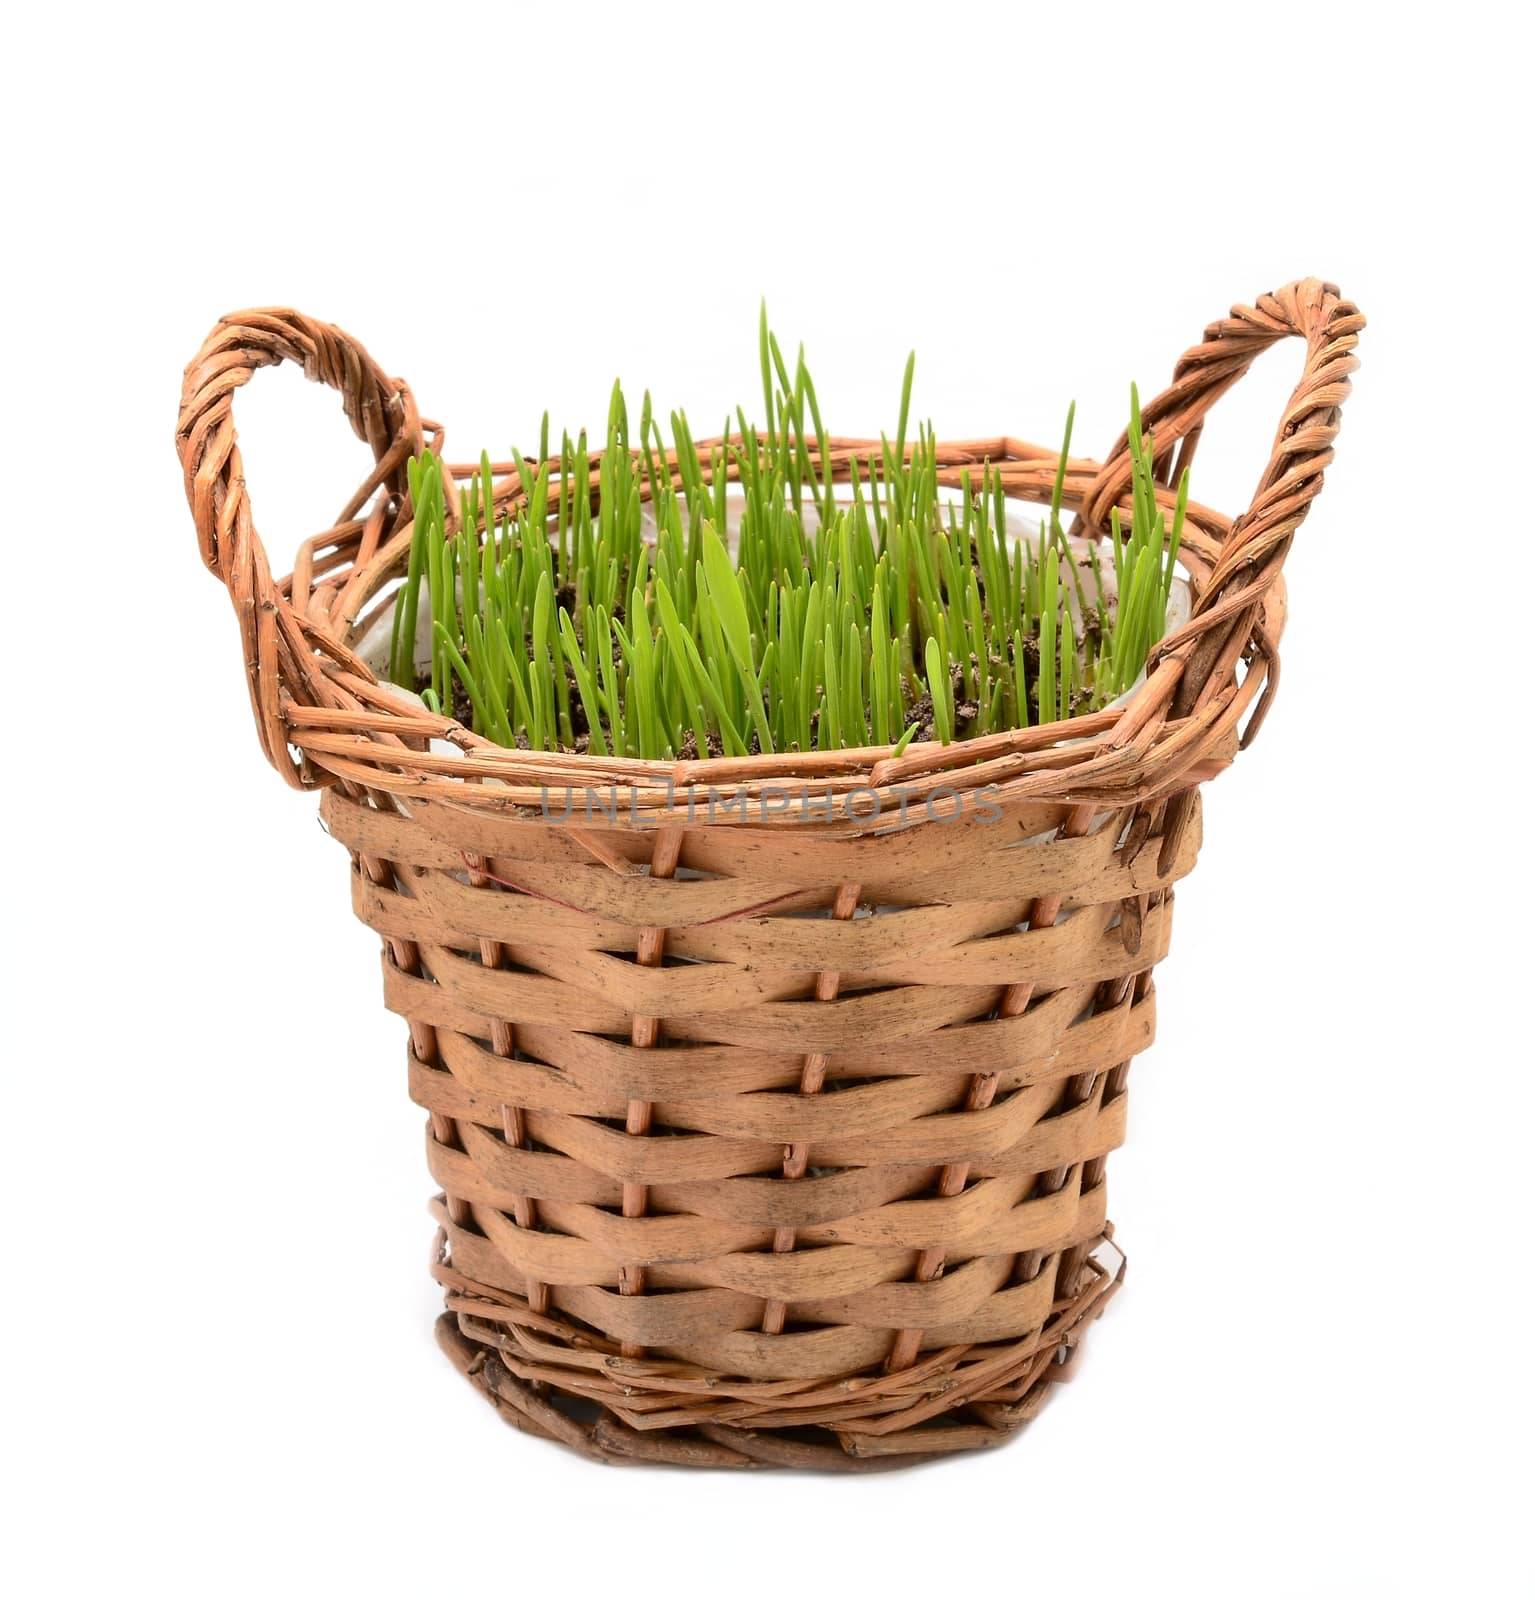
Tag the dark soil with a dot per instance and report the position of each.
(689, 750)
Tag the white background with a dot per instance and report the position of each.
(219, 1376)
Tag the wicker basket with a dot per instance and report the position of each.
(767, 1136)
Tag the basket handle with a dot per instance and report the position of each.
(1227, 612)
(277, 636)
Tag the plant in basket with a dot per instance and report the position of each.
(621, 623)
(771, 838)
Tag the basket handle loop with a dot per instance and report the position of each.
(279, 639)
(1253, 552)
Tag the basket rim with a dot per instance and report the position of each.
(520, 777)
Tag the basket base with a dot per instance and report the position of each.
(943, 1415)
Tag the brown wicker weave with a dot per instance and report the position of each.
(734, 1171)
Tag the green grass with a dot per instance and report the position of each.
(866, 617)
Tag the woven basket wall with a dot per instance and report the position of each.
(768, 1135)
